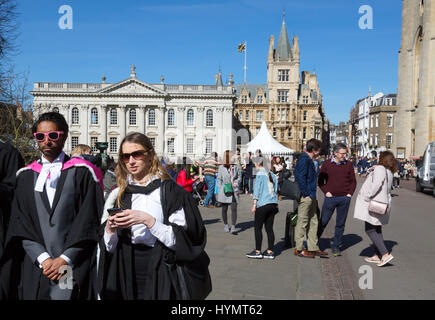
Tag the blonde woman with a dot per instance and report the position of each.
(81, 149)
(157, 226)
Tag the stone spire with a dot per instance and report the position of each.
(283, 48)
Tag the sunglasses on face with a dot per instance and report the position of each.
(137, 155)
(52, 135)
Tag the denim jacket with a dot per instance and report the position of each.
(264, 191)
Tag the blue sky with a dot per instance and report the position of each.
(187, 41)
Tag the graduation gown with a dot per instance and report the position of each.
(116, 270)
(10, 162)
(75, 215)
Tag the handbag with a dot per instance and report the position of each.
(378, 207)
(228, 189)
(290, 189)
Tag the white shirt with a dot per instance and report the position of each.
(140, 234)
(49, 177)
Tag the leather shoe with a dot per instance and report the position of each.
(304, 254)
(319, 253)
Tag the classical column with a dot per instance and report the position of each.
(104, 122)
(162, 126)
(122, 118)
(141, 118)
(219, 125)
(65, 109)
(199, 137)
(180, 129)
(84, 126)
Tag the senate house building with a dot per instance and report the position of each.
(181, 120)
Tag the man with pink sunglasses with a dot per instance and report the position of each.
(54, 224)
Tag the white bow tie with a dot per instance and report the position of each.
(52, 169)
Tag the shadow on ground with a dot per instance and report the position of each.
(211, 221)
(349, 240)
(244, 226)
(370, 251)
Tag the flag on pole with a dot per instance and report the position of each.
(242, 47)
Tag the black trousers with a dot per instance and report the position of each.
(142, 274)
(264, 215)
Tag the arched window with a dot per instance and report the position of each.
(190, 118)
(75, 116)
(132, 118)
(171, 117)
(94, 116)
(209, 118)
(56, 109)
(152, 117)
(113, 116)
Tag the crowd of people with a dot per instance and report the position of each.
(136, 233)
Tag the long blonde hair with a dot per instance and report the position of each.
(121, 170)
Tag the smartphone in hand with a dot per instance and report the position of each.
(113, 211)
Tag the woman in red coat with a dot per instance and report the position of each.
(183, 178)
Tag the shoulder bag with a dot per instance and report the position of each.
(379, 207)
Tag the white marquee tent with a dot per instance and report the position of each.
(267, 144)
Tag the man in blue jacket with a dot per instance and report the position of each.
(306, 177)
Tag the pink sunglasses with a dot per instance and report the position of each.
(52, 135)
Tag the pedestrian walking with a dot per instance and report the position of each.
(228, 180)
(54, 222)
(307, 224)
(155, 226)
(208, 173)
(265, 207)
(337, 181)
(377, 187)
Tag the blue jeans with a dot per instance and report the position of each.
(249, 184)
(210, 181)
(329, 205)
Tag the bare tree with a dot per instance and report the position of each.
(8, 34)
(16, 117)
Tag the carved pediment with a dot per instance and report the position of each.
(132, 86)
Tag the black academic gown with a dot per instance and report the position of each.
(22, 278)
(10, 162)
(116, 270)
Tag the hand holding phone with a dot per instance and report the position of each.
(113, 211)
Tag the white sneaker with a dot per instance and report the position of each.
(385, 260)
(233, 229)
(226, 229)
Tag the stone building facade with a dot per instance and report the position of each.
(381, 127)
(290, 103)
(181, 120)
(415, 121)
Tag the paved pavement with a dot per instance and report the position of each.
(409, 276)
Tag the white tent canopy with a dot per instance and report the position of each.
(267, 144)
